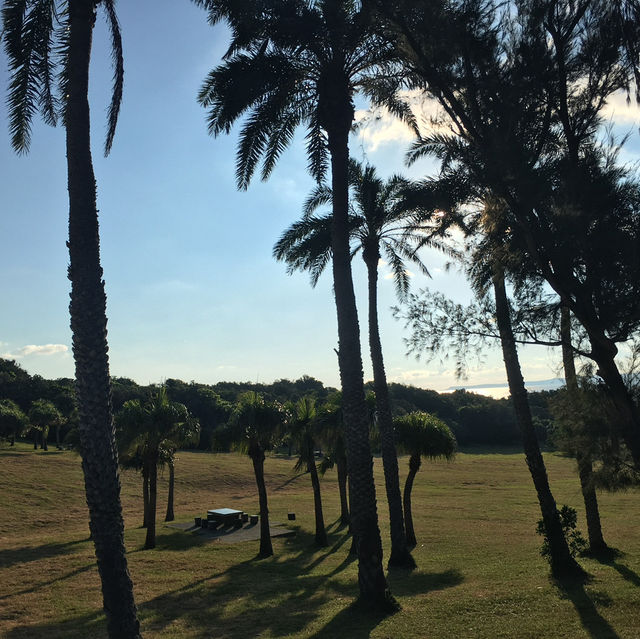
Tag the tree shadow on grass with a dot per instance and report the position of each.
(13, 556)
(624, 571)
(592, 621)
(92, 625)
(49, 582)
(179, 541)
(412, 582)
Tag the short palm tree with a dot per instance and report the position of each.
(300, 62)
(380, 225)
(49, 42)
(421, 435)
(43, 415)
(151, 432)
(303, 428)
(255, 427)
(330, 423)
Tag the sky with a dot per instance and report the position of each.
(193, 291)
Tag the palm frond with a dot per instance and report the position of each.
(28, 43)
(118, 73)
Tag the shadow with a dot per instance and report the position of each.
(178, 541)
(91, 625)
(354, 622)
(43, 584)
(592, 621)
(36, 553)
(410, 582)
(626, 573)
(289, 481)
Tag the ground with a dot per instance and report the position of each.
(479, 569)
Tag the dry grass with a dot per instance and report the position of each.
(479, 572)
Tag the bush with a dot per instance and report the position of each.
(568, 520)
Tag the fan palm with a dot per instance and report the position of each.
(303, 429)
(151, 432)
(300, 62)
(421, 435)
(254, 428)
(380, 225)
(48, 45)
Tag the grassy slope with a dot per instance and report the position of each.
(479, 573)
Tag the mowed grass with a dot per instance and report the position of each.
(479, 572)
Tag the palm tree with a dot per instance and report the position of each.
(152, 432)
(380, 226)
(421, 434)
(33, 30)
(331, 425)
(254, 428)
(303, 429)
(296, 62)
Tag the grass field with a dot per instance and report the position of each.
(479, 572)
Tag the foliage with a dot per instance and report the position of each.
(568, 520)
(425, 435)
(13, 422)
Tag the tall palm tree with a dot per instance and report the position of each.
(33, 31)
(254, 427)
(151, 432)
(421, 435)
(294, 62)
(380, 225)
(304, 431)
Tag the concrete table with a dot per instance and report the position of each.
(225, 516)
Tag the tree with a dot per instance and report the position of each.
(42, 415)
(380, 224)
(254, 428)
(421, 434)
(295, 62)
(303, 428)
(524, 90)
(13, 422)
(151, 433)
(331, 425)
(33, 30)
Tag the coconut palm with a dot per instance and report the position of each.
(150, 432)
(254, 428)
(290, 63)
(48, 45)
(380, 226)
(421, 435)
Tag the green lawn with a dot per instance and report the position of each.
(479, 572)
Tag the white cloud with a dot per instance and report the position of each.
(35, 349)
(377, 126)
(621, 111)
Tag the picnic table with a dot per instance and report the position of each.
(226, 516)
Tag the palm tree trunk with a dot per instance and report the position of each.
(58, 436)
(35, 438)
(321, 533)
(45, 435)
(597, 544)
(336, 115)
(414, 467)
(89, 329)
(400, 555)
(341, 464)
(562, 563)
(145, 496)
(150, 541)
(172, 479)
(266, 548)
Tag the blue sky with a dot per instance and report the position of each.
(192, 289)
